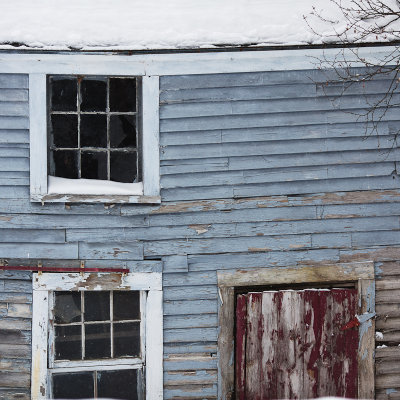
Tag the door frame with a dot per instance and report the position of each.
(360, 273)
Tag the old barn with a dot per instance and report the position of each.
(192, 220)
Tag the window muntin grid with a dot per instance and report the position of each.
(76, 319)
(94, 127)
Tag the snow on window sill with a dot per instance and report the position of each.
(63, 190)
(56, 185)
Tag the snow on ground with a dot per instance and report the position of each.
(160, 24)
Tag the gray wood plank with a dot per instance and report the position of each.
(222, 245)
(190, 335)
(33, 221)
(14, 122)
(14, 136)
(32, 236)
(288, 174)
(205, 292)
(256, 78)
(273, 133)
(278, 147)
(14, 81)
(39, 250)
(15, 108)
(111, 250)
(184, 307)
(270, 106)
(14, 164)
(239, 93)
(189, 321)
(13, 94)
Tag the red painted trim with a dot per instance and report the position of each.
(61, 269)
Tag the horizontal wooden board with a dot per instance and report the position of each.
(270, 106)
(39, 250)
(10, 95)
(14, 336)
(209, 262)
(182, 307)
(14, 164)
(178, 378)
(32, 236)
(263, 148)
(111, 250)
(190, 292)
(15, 394)
(206, 348)
(13, 108)
(311, 76)
(289, 161)
(12, 81)
(33, 221)
(288, 174)
(15, 351)
(190, 335)
(188, 362)
(18, 122)
(190, 321)
(275, 133)
(14, 136)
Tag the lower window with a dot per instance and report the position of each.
(90, 343)
(104, 329)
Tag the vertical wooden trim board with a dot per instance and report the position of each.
(40, 301)
(360, 273)
(150, 140)
(366, 350)
(38, 134)
(154, 346)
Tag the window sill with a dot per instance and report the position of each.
(94, 198)
(63, 190)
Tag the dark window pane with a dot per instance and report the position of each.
(67, 307)
(120, 384)
(123, 131)
(94, 164)
(93, 131)
(127, 339)
(122, 94)
(97, 306)
(77, 385)
(123, 166)
(126, 305)
(63, 94)
(65, 164)
(68, 342)
(97, 341)
(64, 130)
(93, 95)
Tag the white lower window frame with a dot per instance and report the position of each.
(43, 286)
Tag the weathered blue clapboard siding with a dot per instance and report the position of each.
(257, 170)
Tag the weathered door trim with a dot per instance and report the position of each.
(361, 273)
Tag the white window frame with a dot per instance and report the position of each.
(148, 191)
(46, 283)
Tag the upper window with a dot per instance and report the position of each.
(94, 128)
(94, 138)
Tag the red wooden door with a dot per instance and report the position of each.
(289, 344)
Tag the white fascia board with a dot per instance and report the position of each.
(187, 63)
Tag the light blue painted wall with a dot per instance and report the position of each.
(257, 170)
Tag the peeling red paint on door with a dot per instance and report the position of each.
(290, 345)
